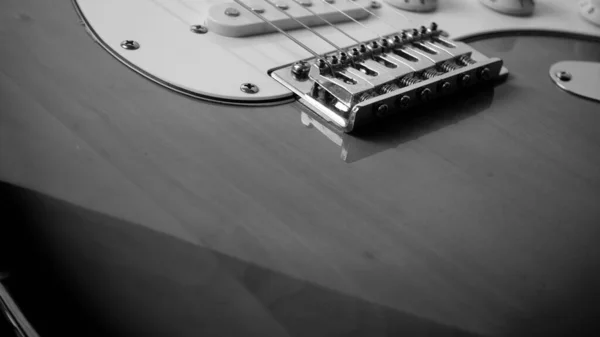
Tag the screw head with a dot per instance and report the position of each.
(465, 79)
(343, 57)
(375, 4)
(484, 74)
(425, 94)
(258, 10)
(130, 45)
(199, 29)
(403, 101)
(282, 5)
(330, 1)
(445, 87)
(230, 11)
(382, 110)
(249, 88)
(563, 75)
(301, 69)
(321, 63)
(305, 3)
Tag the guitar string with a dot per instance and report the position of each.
(387, 22)
(397, 11)
(371, 13)
(304, 25)
(326, 21)
(351, 18)
(305, 47)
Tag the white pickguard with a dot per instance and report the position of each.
(213, 67)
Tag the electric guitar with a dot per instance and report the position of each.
(300, 167)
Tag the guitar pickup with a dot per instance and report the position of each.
(230, 19)
(380, 77)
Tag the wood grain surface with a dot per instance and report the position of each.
(171, 216)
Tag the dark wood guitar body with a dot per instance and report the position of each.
(137, 211)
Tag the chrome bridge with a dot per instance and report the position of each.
(364, 82)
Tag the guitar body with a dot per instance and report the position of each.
(140, 211)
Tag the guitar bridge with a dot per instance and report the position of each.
(380, 77)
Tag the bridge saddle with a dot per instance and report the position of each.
(376, 78)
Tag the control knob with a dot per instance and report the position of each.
(414, 5)
(511, 7)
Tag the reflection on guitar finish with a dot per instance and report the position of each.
(401, 128)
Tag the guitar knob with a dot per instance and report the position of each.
(414, 5)
(511, 7)
(590, 10)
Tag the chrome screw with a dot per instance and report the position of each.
(258, 10)
(403, 101)
(445, 87)
(484, 74)
(301, 69)
(306, 3)
(382, 110)
(330, 1)
(249, 88)
(282, 5)
(232, 12)
(464, 80)
(564, 76)
(199, 29)
(425, 94)
(130, 45)
(375, 4)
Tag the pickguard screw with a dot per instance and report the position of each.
(249, 88)
(232, 12)
(282, 5)
(199, 29)
(563, 76)
(330, 1)
(375, 4)
(258, 10)
(306, 3)
(130, 45)
(301, 69)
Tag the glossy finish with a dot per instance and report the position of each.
(163, 215)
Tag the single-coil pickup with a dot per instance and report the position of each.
(233, 20)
